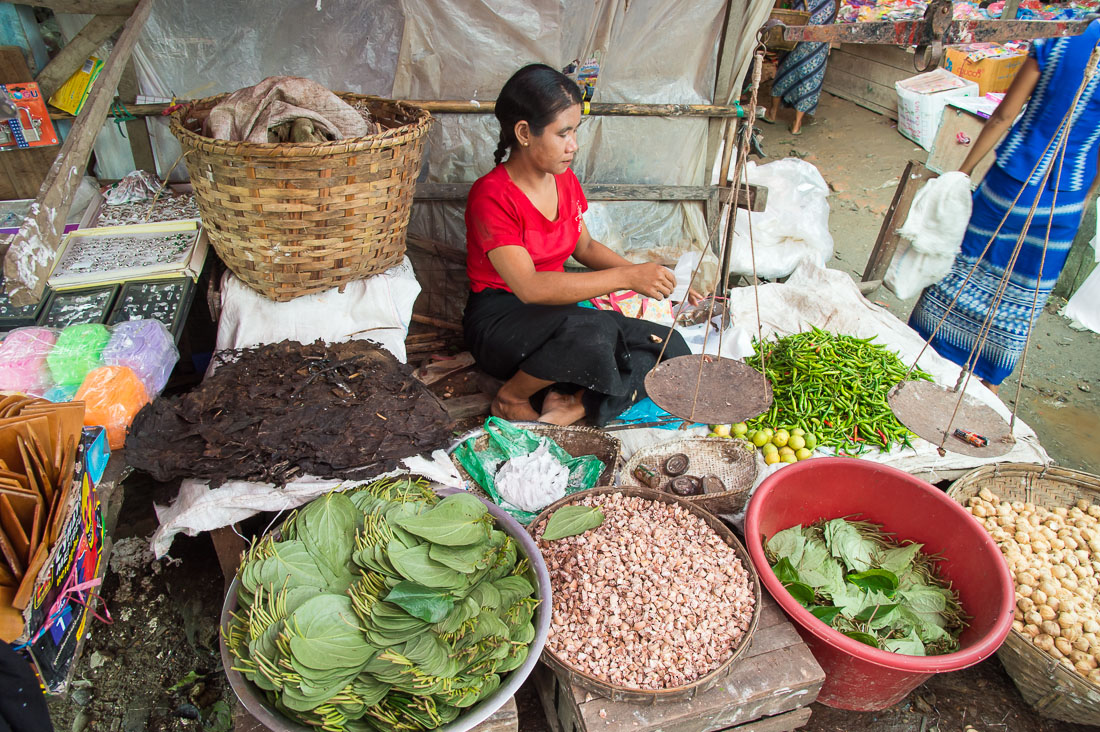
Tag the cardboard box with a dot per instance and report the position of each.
(990, 65)
(921, 100)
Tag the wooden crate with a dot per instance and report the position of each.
(865, 74)
(948, 153)
(769, 689)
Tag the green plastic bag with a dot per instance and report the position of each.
(507, 441)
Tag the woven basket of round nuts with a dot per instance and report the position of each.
(652, 606)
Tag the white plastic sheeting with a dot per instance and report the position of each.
(650, 51)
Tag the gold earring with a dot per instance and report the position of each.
(525, 144)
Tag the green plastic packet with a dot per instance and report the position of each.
(507, 441)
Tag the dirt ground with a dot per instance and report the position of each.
(156, 667)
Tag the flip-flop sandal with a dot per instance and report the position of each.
(793, 132)
(764, 118)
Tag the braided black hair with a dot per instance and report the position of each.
(535, 94)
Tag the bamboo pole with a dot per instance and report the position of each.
(610, 109)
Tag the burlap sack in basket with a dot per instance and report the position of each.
(719, 456)
(290, 219)
(1052, 689)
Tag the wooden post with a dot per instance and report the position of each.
(70, 58)
(137, 130)
(31, 254)
(887, 243)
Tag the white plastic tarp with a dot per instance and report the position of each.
(650, 51)
(826, 298)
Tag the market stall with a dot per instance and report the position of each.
(400, 566)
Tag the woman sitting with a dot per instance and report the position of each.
(524, 219)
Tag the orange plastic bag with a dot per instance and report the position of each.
(112, 396)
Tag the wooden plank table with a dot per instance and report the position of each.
(769, 689)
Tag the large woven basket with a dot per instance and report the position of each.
(719, 456)
(684, 693)
(291, 219)
(1052, 689)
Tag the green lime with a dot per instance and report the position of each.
(769, 448)
(785, 451)
(768, 433)
(722, 430)
(789, 459)
(802, 453)
(760, 438)
(781, 437)
(796, 442)
(798, 431)
(740, 429)
(811, 441)
(771, 459)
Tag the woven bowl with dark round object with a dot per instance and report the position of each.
(726, 459)
(676, 464)
(685, 485)
(713, 484)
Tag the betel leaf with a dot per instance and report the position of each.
(457, 520)
(874, 612)
(875, 580)
(825, 613)
(910, 645)
(789, 543)
(863, 638)
(422, 602)
(924, 599)
(414, 564)
(801, 592)
(847, 545)
(784, 572)
(570, 521)
(899, 559)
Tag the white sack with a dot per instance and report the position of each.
(934, 228)
(1084, 306)
(376, 309)
(793, 228)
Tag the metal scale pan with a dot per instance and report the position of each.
(729, 390)
(925, 408)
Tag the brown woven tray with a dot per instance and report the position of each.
(576, 441)
(1052, 689)
(290, 219)
(720, 456)
(657, 696)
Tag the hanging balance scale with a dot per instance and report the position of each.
(936, 412)
(706, 388)
(709, 389)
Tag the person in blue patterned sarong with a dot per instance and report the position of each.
(801, 72)
(1048, 81)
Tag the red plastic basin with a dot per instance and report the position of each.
(857, 676)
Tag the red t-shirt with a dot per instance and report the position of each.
(499, 214)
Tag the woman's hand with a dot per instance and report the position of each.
(651, 280)
(694, 297)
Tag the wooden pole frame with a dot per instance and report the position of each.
(32, 251)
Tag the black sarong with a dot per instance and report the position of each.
(606, 353)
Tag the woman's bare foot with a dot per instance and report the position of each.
(516, 410)
(992, 387)
(562, 409)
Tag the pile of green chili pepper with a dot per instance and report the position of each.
(834, 386)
